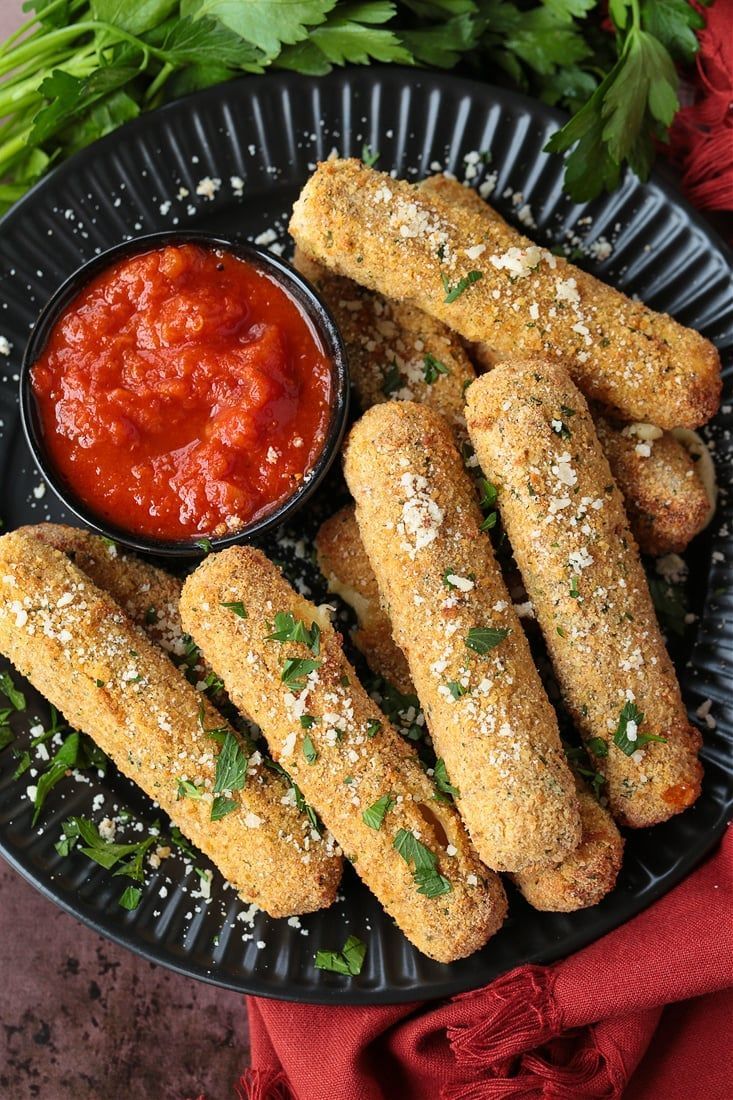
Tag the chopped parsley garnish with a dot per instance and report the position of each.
(567, 411)
(630, 713)
(428, 879)
(597, 746)
(6, 735)
(482, 639)
(391, 378)
(231, 766)
(307, 721)
(453, 292)
(583, 766)
(669, 604)
(24, 762)
(370, 158)
(456, 689)
(561, 632)
(151, 615)
(67, 757)
(574, 590)
(221, 806)
(287, 628)
(442, 783)
(375, 815)
(130, 898)
(237, 607)
(186, 789)
(127, 858)
(14, 696)
(344, 680)
(487, 501)
(433, 368)
(349, 960)
(204, 544)
(309, 750)
(373, 727)
(296, 671)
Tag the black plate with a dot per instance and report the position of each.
(269, 131)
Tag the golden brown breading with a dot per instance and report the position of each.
(590, 871)
(565, 519)
(345, 757)
(666, 501)
(343, 561)
(469, 273)
(77, 647)
(453, 618)
(587, 874)
(147, 594)
(393, 348)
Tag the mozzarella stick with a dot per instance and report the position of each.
(565, 519)
(284, 667)
(395, 351)
(345, 565)
(667, 503)
(470, 273)
(148, 595)
(590, 871)
(585, 876)
(76, 646)
(453, 618)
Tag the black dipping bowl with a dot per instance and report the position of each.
(313, 308)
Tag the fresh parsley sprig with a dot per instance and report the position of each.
(428, 879)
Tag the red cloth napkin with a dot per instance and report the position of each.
(578, 1030)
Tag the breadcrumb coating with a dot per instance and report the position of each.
(590, 871)
(470, 273)
(452, 616)
(348, 761)
(77, 646)
(565, 519)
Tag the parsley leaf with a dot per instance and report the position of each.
(221, 806)
(376, 813)
(349, 960)
(456, 689)
(629, 721)
(11, 692)
(67, 757)
(296, 670)
(309, 750)
(433, 368)
(130, 898)
(443, 784)
(427, 877)
(231, 766)
(453, 292)
(370, 158)
(391, 378)
(186, 789)
(373, 727)
(482, 639)
(287, 628)
(237, 607)
(204, 544)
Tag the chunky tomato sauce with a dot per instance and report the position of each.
(183, 393)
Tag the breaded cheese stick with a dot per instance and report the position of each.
(590, 871)
(453, 618)
(395, 351)
(286, 669)
(667, 502)
(565, 519)
(585, 876)
(78, 648)
(343, 561)
(147, 594)
(469, 273)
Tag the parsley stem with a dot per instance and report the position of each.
(29, 51)
(159, 81)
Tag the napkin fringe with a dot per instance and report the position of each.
(517, 1012)
(263, 1084)
(586, 1073)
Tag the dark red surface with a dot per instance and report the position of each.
(83, 1019)
(183, 392)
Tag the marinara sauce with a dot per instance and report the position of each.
(183, 393)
